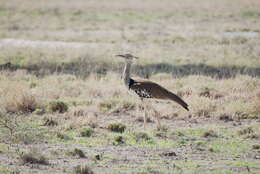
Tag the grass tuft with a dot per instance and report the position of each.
(210, 133)
(39, 111)
(107, 105)
(213, 149)
(246, 131)
(210, 93)
(58, 106)
(77, 152)
(116, 127)
(63, 136)
(33, 158)
(256, 146)
(141, 119)
(82, 169)
(162, 128)
(225, 117)
(118, 140)
(139, 136)
(21, 103)
(86, 132)
(50, 122)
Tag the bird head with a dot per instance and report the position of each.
(127, 57)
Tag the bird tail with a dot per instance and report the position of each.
(177, 99)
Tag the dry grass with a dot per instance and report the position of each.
(67, 20)
(82, 169)
(236, 97)
(79, 117)
(20, 102)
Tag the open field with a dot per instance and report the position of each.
(64, 108)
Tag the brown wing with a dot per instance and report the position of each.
(148, 89)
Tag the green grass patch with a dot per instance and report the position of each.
(188, 165)
(5, 170)
(192, 132)
(251, 13)
(245, 163)
(231, 146)
(237, 166)
(3, 11)
(4, 148)
(86, 132)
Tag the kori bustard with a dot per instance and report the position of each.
(147, 89)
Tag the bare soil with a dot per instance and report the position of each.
(132, 158)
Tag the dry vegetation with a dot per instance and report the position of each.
(61, 91)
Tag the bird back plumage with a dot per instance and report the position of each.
(148, 89)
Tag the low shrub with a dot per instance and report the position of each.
(58, 106)
(86, 132)
(117, 127)
(33, 158)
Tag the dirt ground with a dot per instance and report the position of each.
(193, 155)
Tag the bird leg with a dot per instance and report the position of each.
(145, 116)
(144, 110)
(157, 116)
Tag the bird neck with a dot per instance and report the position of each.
(126, 73)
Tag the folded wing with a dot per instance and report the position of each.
(148, 89)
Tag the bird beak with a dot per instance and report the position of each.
(119, 55)
(126, 56)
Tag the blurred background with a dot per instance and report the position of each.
(208, 36)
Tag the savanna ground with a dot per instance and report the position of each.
(64, 109)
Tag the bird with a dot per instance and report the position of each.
(146, 89)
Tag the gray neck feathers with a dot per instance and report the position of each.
(126, 73)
